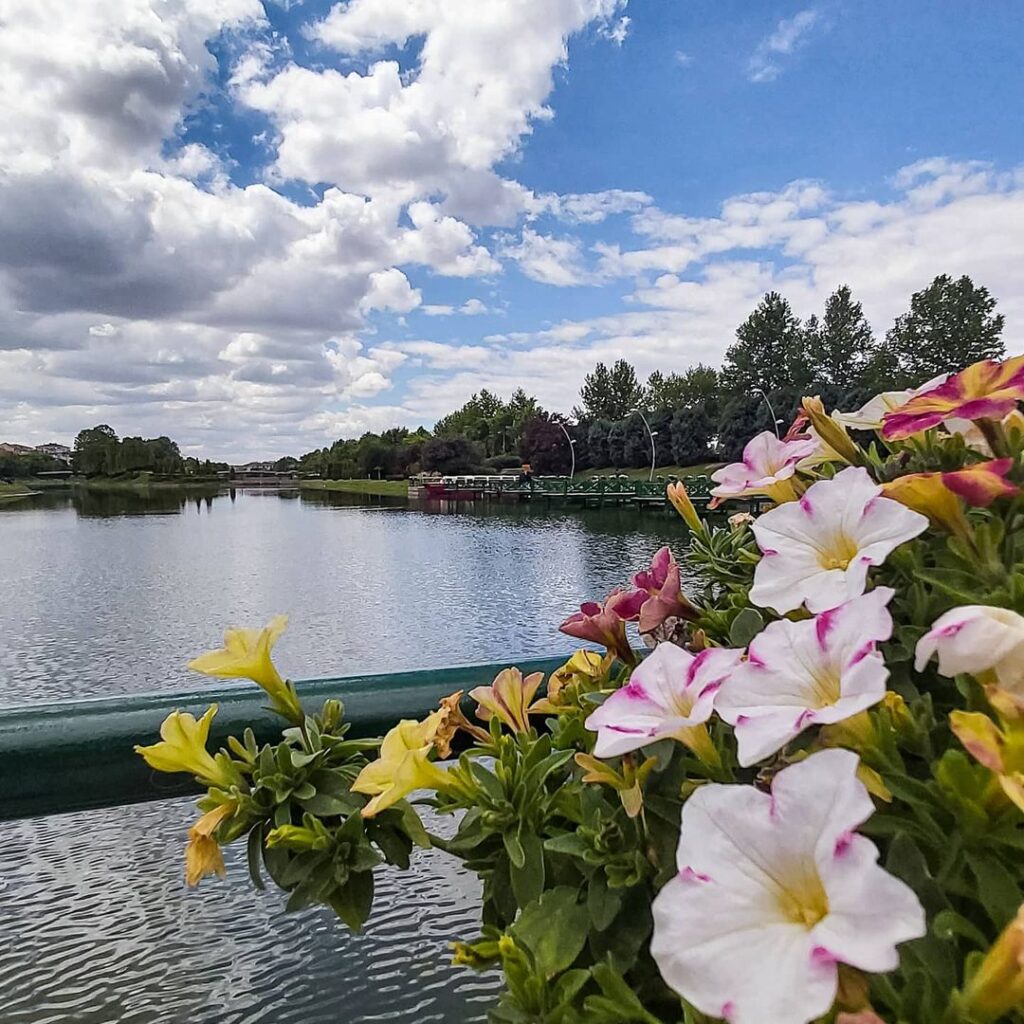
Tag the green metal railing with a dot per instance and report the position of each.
(78, 755)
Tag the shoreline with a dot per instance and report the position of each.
(374, 488)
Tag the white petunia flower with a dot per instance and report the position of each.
(977, 638)
(767, 467)
(871, 415)
(670, 694)
(817, 550)
(813, 672)
(774, 891)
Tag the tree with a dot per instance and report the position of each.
(840, 347)
(950, 325)
(691, 435)
(767, 352)
(697, 384)
(545, 446)
(636, 443)
(597, 443)
(616, 441)
(450, 455)
(95, 451)
(610, 394)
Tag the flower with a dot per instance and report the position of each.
(182, 748)
(606, 623)
(818, 550)
(978, 639)
(773, 891)
(509, 698)
(813, 672)
(988, 390)
(246, 655)
(451, 721)
(676, 493)
(767, 466)
(202, 851)
(670, 694)
(585, 670)
(740, 519)
(937, 495)
(664, 594)
(403, 766)
(871, 415)
(999, 748)
(997, 986)
(834, 443)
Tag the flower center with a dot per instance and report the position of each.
(826, 689)
(805, 903)
(839, 553)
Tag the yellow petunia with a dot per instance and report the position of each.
(404, 765)
(202, 852)
(182, 748)
(246, 655)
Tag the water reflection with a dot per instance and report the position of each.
(115, 591)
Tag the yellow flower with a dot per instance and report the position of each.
(999, 748)
(246, 655)
(202, 852)
(451, 721)
(403, 766)
(508, 698)
(837, 442)
(997, 986)
(681, 502)
(927, 493)
(183, 749)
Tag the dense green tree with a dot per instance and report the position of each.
(450, 455)
(768, 352)
(840, 347)
(610, 394)
(546, 447)
(597, 443)
(95, 451)
(616, 442)
(691, 431)
(950, 325)
(699, 383)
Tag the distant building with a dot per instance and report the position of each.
(55, 451)
(10, 448)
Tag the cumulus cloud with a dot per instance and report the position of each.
(549, 260)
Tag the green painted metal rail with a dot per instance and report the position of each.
(78, 755)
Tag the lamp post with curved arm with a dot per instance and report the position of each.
(652, 434)
(572, 449)
(775, 420)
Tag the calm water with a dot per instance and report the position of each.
(111, 594)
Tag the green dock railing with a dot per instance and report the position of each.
(78, 755)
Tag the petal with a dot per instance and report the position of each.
(870, 911)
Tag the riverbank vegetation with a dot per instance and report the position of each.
(375, 488)
(704, 413)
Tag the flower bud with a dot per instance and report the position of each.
(997, 986)
(832, 434)
(676, 494)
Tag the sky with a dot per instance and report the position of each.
(260, 226)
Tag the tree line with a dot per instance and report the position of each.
(701, 414)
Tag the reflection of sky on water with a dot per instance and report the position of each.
(102, 598)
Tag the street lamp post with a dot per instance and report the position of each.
(775, 420)
(652, 434)
(572, 449)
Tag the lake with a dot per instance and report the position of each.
(112, 593)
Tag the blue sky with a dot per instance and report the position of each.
(257, 227)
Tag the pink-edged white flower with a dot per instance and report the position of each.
(670, 693)
(976, 639)
(774, 891)
(817, 551)
(813, 672)
(767, 466)
(871, 415)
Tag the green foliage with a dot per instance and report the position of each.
(768, 352)
(610, 394)
(950, 325)
(840, 347)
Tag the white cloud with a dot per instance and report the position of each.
(618, 31)
(594, 207)
(549, 260)
(790, 34)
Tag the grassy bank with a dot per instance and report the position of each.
(378, 488)
(143, 483)
(14, 491)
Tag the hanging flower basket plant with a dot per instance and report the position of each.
(805, 803)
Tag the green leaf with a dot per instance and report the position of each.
(528, 878)
(948, 924)
(602, 903)
(998, 891)
(745, 627)
(617, 1002)
(514, 848)
(325, 805)
(554, 929)
(352, 903)
(253, 854)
